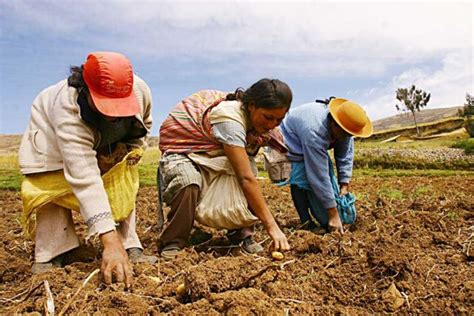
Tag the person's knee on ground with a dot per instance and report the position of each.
(180, 221)
(302, 204)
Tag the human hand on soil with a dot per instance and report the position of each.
(334, 223)
(279, 239)
(115, 260)
(344, 189)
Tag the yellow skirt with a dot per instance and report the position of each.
(121, 183)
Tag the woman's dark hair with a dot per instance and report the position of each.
(76, 80)
(266, 93)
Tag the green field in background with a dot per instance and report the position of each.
(10, 176)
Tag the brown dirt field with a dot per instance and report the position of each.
(410, 252)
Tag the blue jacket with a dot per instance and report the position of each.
(308, 137)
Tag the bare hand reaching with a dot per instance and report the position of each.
(344, 189)
(279, 239)
(334, 223)
(115, 260)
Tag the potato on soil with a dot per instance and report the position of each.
(181, 289)
(277, 255)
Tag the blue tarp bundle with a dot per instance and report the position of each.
(345, 204)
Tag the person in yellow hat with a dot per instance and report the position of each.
(310, 130)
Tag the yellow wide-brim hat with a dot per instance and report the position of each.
(351, 117)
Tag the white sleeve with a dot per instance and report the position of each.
(76, 143)
(230, 133)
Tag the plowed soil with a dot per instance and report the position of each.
(410, 251)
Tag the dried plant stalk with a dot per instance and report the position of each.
(49, 299)
(71, 300)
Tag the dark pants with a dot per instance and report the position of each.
(301, 203)
(181, 217)
(305, 202)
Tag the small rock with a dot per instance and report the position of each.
(393, 297)
(469, 285)
(455, 259)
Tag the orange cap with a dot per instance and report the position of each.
(109, 77)
(350, 117)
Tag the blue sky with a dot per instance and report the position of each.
(362, 51)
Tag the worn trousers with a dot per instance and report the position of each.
(306, 202)
(181, 219)
(55, 232)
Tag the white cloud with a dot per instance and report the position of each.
(448, 85)
(392, 31)
(297, 39)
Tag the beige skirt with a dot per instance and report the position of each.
(222, 203)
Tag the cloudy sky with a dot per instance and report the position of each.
(362, 51)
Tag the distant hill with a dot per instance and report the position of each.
(424, 116)
(11, 143)
(153, 141)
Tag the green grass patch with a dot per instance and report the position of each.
(10, 179)
(391, 193)
(466, 144)
(9, 161)
(395, 161)
(422, 190)
(453, 216)
(151, 156)
(361, 196)
(10, 175)
(147, 174)
(386, 173)
(263, 173)
(148, 166)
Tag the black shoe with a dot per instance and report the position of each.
(234, 237)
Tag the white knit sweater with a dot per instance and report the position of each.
(57, 138)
